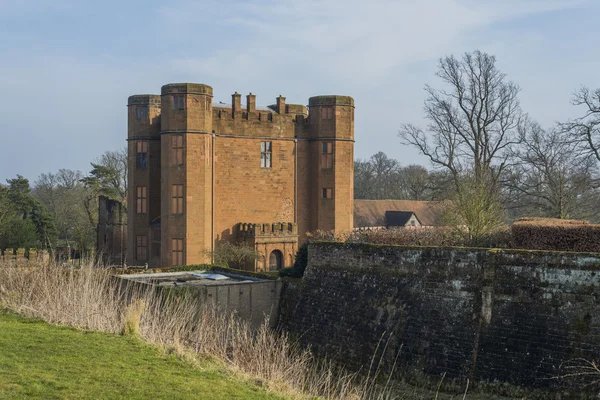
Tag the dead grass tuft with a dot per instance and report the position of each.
(89, 298)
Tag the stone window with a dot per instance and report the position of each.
(141, 199)
(177, 199)
(177, 149)
(326, 112)
(142, 112)
(265, 155)
(327, 193)
(177, 252)
(156, 242)
(142, 154)
(179, 102)
(141, 248)
(327, 155)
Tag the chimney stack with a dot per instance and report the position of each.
(281, 104)
(251, 102)
(236, 104)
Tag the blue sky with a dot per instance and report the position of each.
(67, 67)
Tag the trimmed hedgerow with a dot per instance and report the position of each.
(556, 234)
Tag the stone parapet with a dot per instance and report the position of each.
(277, 229)
(143, 99)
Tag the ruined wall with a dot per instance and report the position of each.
(504, 316)
(23, 256)
(111, 232)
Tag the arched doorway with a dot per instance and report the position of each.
(275, 260)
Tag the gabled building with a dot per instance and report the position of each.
(401, 219)
(397, 213)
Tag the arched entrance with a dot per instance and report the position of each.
(275, 260)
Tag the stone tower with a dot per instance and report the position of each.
(203, 172)
(332, 134)
(144, 166)
(186, 142)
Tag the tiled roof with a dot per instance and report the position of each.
(398, 218)
(372, 212)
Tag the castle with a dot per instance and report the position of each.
(202, 172)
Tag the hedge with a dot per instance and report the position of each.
(556, 234)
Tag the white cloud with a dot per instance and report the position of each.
(341, 40)
(381, 52)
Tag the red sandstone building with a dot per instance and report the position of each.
(201, 172)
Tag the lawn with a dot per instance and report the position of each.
(50, 362)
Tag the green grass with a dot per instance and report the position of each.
(38, 360)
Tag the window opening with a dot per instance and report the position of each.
(265, 154)
(177, 149)
(327, 155)
(142, 154)
(141, 248)
(177, 199)
(141, 199)
(177, 251)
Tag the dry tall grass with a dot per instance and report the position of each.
(88, 298)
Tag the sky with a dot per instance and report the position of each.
(68, 66)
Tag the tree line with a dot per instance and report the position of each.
(60, 209)
(488, 156)
(498, 161)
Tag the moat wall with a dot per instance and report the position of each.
(484, 315)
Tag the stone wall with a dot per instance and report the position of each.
(485, 315)
(23, 255)
(254, 300)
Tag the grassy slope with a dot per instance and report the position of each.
(45, 361)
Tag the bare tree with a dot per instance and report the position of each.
(64, 195)
(377, 178)
(556, 177)
(473, 122)
(381, 177)
(364, 182)
(108, 177)
(415, 182)
(585, 130)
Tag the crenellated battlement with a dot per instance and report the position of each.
(144, 100)
(330, 100)
(186, 88)
(250, 230)
(202, 165)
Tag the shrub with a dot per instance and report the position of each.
(437, 236)
(297, 270)
(440, 236)
(231, 255)
(556, 234)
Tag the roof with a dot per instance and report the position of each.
(398, 218)
(220, 104)
(195, 279)
(372, 212)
